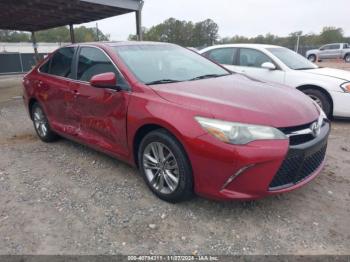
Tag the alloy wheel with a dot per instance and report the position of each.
(40, 122)
(161, 168)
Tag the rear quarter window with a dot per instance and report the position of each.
(45, 67)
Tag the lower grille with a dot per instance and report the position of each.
(298, 165)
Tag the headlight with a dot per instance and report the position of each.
(346, 87)
(238, 133)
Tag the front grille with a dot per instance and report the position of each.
(301, 139)
(297, 139)
(311, 163)
(298, 165)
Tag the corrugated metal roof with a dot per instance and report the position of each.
(36, 15)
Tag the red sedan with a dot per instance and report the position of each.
(188, 124)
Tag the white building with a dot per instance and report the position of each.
(27, 48)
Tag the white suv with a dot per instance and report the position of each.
(330, 88)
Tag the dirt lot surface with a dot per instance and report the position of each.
(10, 87)
(64, 198)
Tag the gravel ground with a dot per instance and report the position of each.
(64, 198)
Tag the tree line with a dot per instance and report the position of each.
(326, 36)
(55, 35)
(185, 33)
(205, 33)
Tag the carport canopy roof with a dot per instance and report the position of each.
(36, 15)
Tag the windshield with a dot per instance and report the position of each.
(292, 59)
(158, 64)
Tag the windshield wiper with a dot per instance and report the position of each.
(207, 76)
(304, 68)
(163, 81)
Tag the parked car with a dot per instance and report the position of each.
(330, 88)
(331, 51)
(188, 124)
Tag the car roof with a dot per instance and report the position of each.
(120, 43)
(255, 46)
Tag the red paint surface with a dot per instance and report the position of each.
(108, 120)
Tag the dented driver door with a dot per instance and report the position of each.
(101, 117)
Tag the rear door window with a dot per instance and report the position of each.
(334, 47)
(225, 56)
(61, 63)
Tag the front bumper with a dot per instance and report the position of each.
(341, 104)
(264, 167)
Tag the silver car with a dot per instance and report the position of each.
(330, 51)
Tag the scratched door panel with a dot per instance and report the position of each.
(102, 117)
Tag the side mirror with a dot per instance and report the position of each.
(105, 80)
(268, 65)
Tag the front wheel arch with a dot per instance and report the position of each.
(325, 92)
(31, 103)
(142, 131)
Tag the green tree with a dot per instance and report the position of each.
(184, 33)
(331, 35)
(62, 34)
(14, 36)
(59, 34)
(328, 35)
(205, 33)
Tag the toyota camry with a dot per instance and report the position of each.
(189, 125)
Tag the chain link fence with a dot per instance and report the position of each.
(11, 63)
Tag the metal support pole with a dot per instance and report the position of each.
(72, 36)
(298, 42)
(21, 61)
(97, 34)
(138, 14)
(35, 46)
(138, 25)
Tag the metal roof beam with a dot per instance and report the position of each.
(36, 15)
(134, 5)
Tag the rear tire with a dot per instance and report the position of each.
(165, 167)
(312, 58)
(41, 124)
(321, 99)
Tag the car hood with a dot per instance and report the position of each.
(331, 72)
(239, 99)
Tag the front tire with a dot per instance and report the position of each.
(165, 166)
(41, 124)
(321, 99)
(312, 58)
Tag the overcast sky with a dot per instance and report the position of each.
(245, 17)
